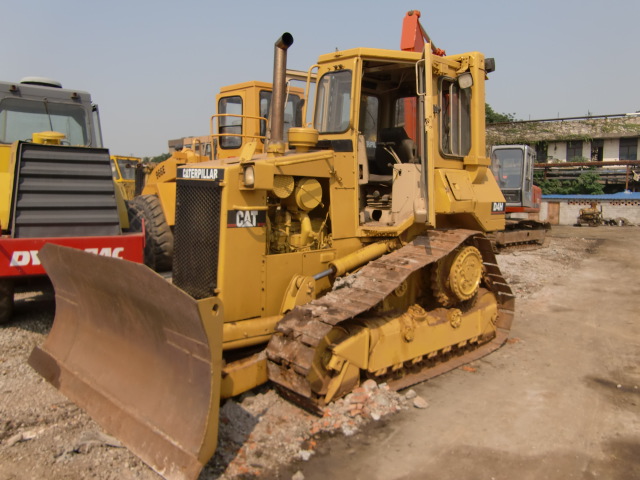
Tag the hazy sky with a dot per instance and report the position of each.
(154, 67)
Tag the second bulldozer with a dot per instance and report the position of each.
(358, 253)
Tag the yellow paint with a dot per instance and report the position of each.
(6, 185)
(243, 375)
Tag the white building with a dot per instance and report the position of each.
(575, 139)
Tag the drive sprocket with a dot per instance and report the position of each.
(456, 277)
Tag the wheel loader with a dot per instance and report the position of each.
(242, 111)
(358, 252)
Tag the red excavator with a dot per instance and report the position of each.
(512, 165)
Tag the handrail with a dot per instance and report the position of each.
(242, 117)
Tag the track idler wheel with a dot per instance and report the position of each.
(456, 278)
(332, 376)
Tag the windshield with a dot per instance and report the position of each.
(506, 164)
(127, 169)
(292, 110)
(333, 104)
(20, 118)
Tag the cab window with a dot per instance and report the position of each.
(20, 118)
(333, 104)
(265, 104)
(291, 112)
(455, 118)
(231, 125)
(369, 122)
(127, 169)
(507, 166)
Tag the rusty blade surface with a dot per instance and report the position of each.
(132, 351)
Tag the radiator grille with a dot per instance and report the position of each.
(64, 191)
(196, 237)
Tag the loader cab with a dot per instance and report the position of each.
(512, 166)
(243, 110)
(201, 145)
(123, 170)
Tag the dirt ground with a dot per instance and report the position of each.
(561, 400)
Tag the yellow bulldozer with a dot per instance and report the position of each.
(242, 111)
(358, 252)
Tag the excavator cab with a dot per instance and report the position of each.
(512, 166)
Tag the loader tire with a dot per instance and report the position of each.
(6, 300)
(158, 249)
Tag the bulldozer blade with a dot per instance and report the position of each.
(139, 355)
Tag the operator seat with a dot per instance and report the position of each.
(397, 140)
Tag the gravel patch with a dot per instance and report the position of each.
(43, 435)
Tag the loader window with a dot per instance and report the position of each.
(127, 169)
(455, 118)
(20, 118)
(265, 104)
(231, 125)
(292, 112)
(333, 104)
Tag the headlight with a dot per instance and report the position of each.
(248, 176)
(465, 80)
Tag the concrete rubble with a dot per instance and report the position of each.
(262, 429)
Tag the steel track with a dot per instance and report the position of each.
(291, 351)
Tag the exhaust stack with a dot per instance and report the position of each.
(276, 142)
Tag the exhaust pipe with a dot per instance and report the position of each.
(276, 142)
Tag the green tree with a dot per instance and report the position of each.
(157, 159)
(587, 183)
(492, 116)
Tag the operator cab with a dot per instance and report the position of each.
(396, 100)
(382, 123)
(389, 165)
(30, 107)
